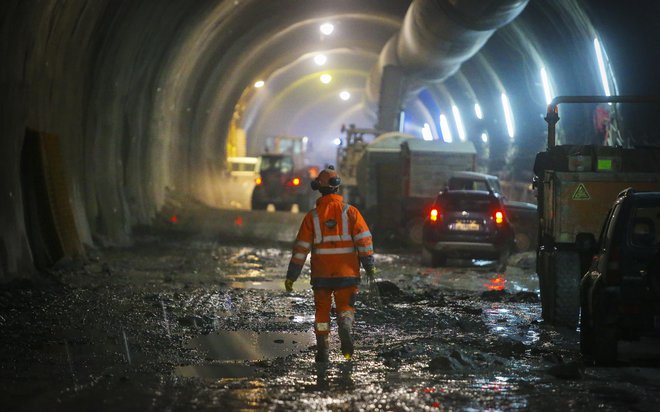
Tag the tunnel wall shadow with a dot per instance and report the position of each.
(49, 220)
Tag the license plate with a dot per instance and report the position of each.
(466, 226)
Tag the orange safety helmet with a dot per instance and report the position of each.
(327, 178)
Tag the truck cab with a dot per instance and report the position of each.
(465, 180)
(575, 185)
(279, 183)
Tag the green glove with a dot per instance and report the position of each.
(288, 285)
(371, 272)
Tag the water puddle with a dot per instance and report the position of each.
(251, 346)
(228, 351)
(220, 371)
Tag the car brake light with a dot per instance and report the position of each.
(257, 181)
(434, 214)
(499, 217)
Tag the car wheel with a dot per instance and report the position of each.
(586, 333)
(427, 257)
(500, 265)
(605, 344)
(432, 259)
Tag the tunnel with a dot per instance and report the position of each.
(136, 273)
(143, 100)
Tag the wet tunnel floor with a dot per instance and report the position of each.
(178, 323)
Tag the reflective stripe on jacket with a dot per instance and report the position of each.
(336, 235)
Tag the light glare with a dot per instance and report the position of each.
(446, 131)
(327, 28)
(426, 132)
(259, 84)
(326, 78)
(337, 141)
(320, 59)
(547, 91)
(508, 115)
(344, 95)
(478, 112)
(601, 67)
(484, 137)
(459, 123)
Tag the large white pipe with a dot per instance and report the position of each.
(436, 37)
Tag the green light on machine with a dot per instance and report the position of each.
(604, 164)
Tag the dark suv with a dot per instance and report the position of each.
(620, 293)
(467, 224)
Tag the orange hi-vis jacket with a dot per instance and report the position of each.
(338, 237)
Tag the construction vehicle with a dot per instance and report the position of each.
(394, 177)
(283, 176)
(575, 187)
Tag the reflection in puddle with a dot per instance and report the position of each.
(497, 283)
(248, 345)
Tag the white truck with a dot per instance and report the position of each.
(394, 178)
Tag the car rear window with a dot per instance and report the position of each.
(468, 203)
(645, 226)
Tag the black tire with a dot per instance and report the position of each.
(566, 284)
(500, 264)
(432, 259)
(427, 257)
(523, 242)
(415, 231)
(586, 332)
(258, 205)
(605, 350)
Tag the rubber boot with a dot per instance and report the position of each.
(346, 334)
(322, 348)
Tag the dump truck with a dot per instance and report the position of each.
(575, 186)
(394, 178)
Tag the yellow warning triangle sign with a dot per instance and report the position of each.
(581, 193)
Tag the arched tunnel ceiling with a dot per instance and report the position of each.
(143, 93)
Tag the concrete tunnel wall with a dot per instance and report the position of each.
(89, 72)
(140, 93)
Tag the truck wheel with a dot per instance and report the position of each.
(414, 231)
(559, 277)
(258, 205)
(567, 288)
(523, 242)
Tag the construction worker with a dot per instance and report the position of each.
(339, 240)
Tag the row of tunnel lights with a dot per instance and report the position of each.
(506, 105)
(325, 78)
(320, 60)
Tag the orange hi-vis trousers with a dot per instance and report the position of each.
(344, 304)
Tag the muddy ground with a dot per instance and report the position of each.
(182, 322)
